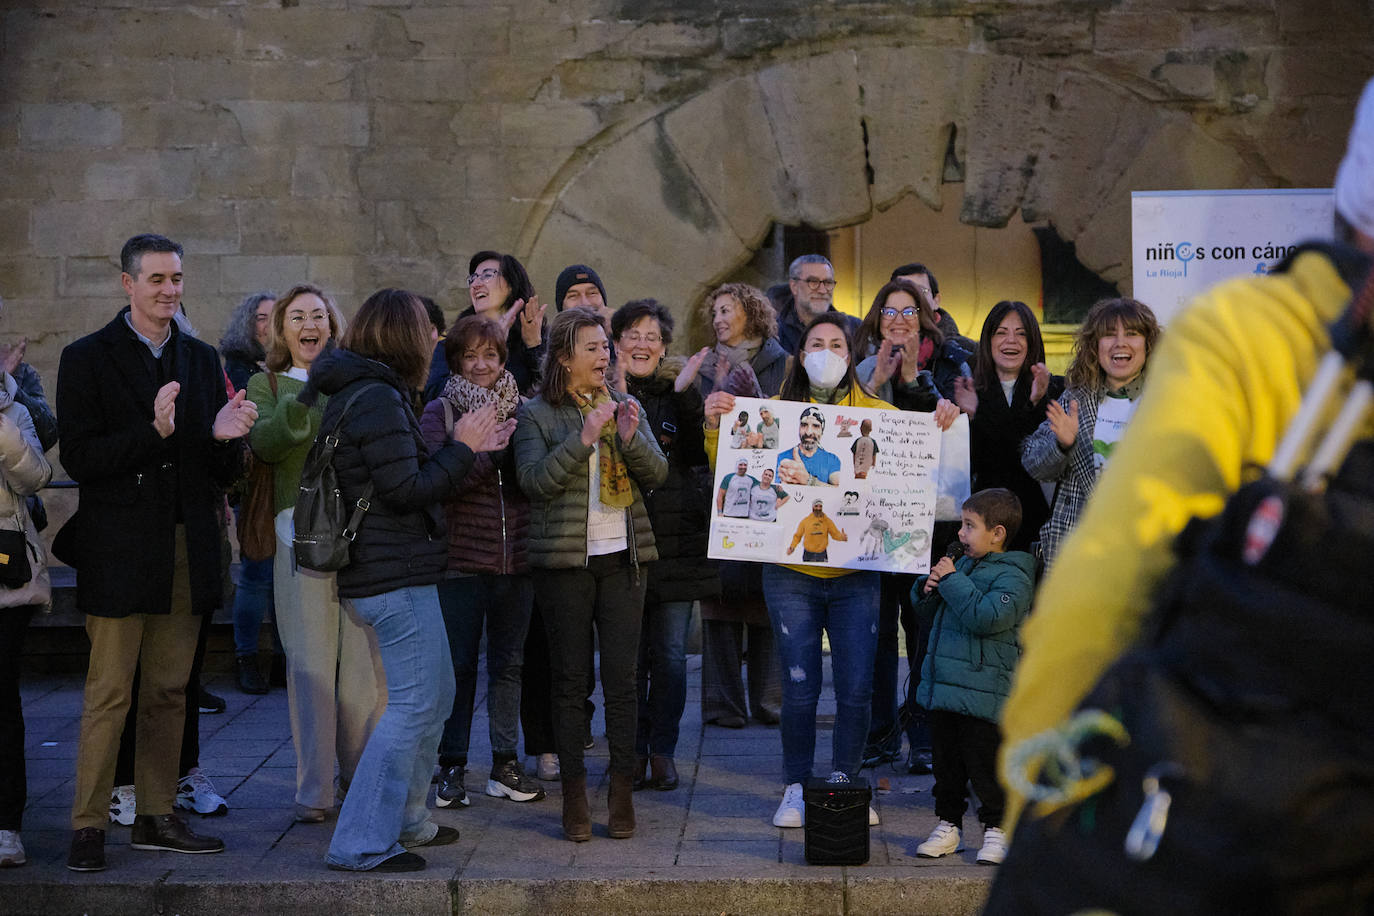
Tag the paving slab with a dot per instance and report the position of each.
(707, 847)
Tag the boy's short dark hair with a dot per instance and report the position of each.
(997, 506)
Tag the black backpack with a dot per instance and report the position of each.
(324, 524)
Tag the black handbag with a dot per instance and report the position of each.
(15, 569)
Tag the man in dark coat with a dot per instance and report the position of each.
(146, 429)
(808, 293)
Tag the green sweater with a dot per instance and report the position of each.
(283, 434)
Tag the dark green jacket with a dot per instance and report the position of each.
(552, 468)
(975, 614)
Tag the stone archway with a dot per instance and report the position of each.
(683, 197)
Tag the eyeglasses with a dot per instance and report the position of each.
(634, 337)
(301, 317)
(486, 276)
(816, 283)
(905, 313)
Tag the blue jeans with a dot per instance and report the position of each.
(386, 800)
(252, 604)
(662, 675)
(505, 604)
(846, 608)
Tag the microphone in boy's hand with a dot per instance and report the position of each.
(955, 550)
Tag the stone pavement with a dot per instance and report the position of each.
(708, 847)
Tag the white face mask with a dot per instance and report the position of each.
(825, 368)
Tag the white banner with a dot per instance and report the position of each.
(827, 485)
(1183, 242)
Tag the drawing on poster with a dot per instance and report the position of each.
(855, 489)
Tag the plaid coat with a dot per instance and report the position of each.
(1072, 472)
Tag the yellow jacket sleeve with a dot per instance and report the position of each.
(1223, 384)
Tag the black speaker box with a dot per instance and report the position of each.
(837, 821)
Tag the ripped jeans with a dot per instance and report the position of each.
(846, 608)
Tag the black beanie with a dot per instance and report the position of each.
(571, 276)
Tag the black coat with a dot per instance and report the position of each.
(995, 436)
(401, 541)
(679, 509)
(136, 485)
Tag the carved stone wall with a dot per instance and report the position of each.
(359, 143)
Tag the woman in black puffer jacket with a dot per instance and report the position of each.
(679, 513)
(400, 553)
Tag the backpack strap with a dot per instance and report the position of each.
(364, 502)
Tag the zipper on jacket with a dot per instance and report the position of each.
(501, 500)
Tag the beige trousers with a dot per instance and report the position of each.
(166, 645)
(335, 685)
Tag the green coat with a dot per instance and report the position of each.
(551, 466)
(975, 613)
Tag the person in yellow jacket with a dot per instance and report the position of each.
(1228, 378)
(804, 601)
(814, 534)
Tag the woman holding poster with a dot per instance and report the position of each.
(804, 601)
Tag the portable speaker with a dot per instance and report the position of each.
(837, 821)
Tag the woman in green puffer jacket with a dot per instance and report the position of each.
(584, 459)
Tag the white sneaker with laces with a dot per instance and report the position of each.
(994, 848)
(196, 793)
(873, 817)
(11, 849)
(943, 840)
(122, 804)
(792, 811)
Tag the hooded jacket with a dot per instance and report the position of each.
(401, 541)
(974, 615)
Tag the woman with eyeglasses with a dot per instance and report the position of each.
(680, 514)
(915, 368)
(911, 364)
(500, 289)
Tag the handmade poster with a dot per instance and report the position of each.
(826, 485)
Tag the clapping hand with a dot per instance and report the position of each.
(477, 429)
(627, 419)
(165, 409)
(1064, 423)
(1040, 382)
(11, 357)
(688, 375)
(596, 420)
(234, 419)
(965, 395)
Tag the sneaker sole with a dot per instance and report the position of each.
(12, 862)
(787, 822)
(86, 868)
(121, 823)
(220, 811)
(441, 802)
(153, 847)
(497, 789)
(937, 855)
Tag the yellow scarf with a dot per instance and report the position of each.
(615, 476)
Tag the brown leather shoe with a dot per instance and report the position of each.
(642, 780)
(169, 833)
(664, 777)
(88, 850)
(577, 816)
(621, 825)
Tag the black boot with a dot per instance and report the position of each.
(250, 678)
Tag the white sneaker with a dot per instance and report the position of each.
(943, 840)
(994, 848)
(547, 767)
(11, 849)
(792, 811)
(196, 793)
(122, 806)
(873, 817)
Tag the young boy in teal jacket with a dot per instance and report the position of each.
(975, 607)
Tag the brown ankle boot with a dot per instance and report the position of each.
(622, 821)
(577, 816)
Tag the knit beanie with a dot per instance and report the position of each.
(1355, 178)
(571, 276)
